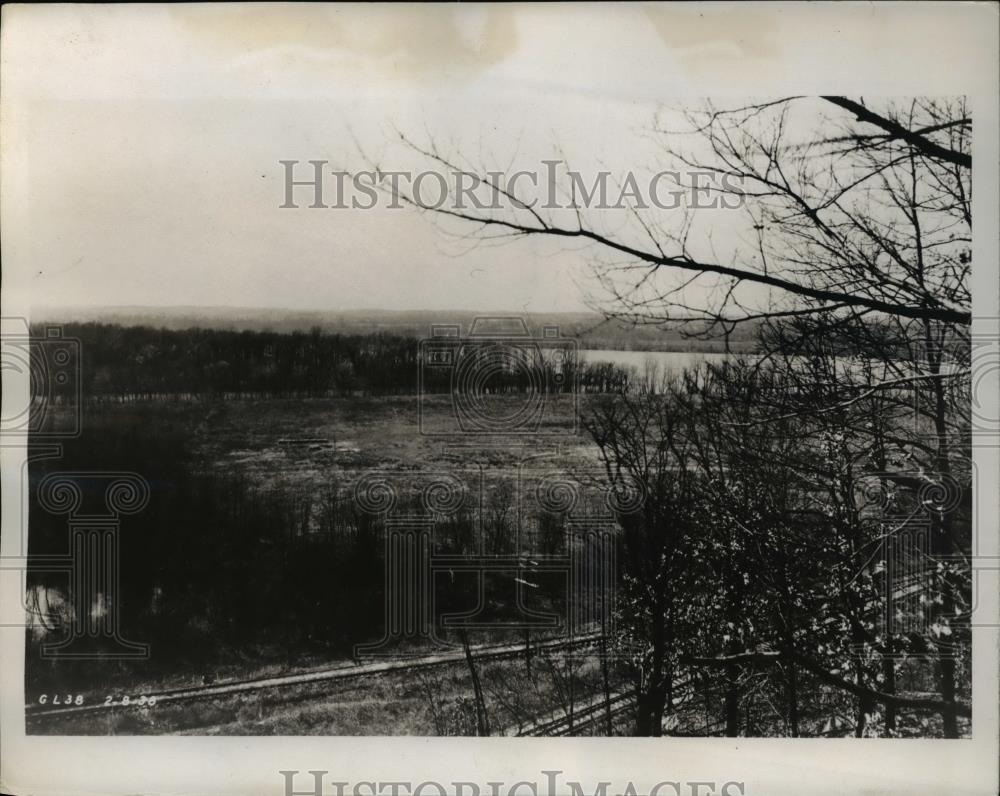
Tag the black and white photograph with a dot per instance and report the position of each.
(500, 372)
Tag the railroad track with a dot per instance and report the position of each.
(177, 695)
(592, 713)
(584, 716)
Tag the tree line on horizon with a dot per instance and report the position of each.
(135, 363)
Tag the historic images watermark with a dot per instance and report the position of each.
(552, 186)
(316, 783)
(564, 531)
(93, 504)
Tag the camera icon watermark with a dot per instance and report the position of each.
(499, 379)
(50, 363)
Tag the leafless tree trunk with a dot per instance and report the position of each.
(482, 721)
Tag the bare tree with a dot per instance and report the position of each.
(640, 441)
(842, 207)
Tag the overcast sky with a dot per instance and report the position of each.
(142, 143)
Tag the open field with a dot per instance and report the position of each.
(307, 442)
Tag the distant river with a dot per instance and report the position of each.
(666, 361)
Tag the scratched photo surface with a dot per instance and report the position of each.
(390, 378)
